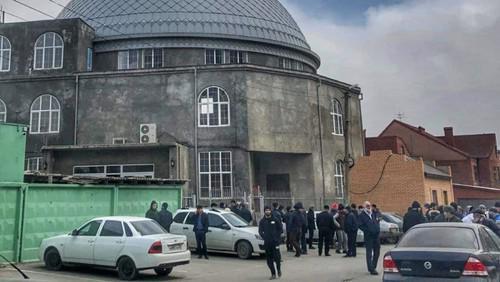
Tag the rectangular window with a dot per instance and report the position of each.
(216, 175)
(435, 197)
(123, 60)
(34, 164)
(285, 63)
(133, 59)
(238, 57)
(152, 58)
(128, 170)
(339, 179)
(445, 197)
(90, 54)
(214, 56)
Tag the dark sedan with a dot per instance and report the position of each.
(445, 252)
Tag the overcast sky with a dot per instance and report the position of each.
(436, 61)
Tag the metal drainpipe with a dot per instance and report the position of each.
(195, 99)
(347, 156)
(321, 141)
(77, 98)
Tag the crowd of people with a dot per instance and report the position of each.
(452, 213)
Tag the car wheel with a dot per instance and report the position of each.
(53, 260)
(244, 250)
(126, 269)
(163, 271)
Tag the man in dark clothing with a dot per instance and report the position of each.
(456, 212)
(152, 213)
(324, 220)
(311, 226)
(351, 228)
(276, 212)
(245, 213)
(303, 241)
(165, 217)
(432, 212)
(294, 226)
(200, 229)
(286, 220)
(480, 218)
(270, 229)
(448, 215)
(413, 217)
(369, 224)
(213, 206)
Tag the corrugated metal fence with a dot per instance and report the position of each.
(32, 212)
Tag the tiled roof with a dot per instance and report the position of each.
(256, 20)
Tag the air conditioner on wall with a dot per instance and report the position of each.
(147, 133)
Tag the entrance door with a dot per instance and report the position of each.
(278, 185)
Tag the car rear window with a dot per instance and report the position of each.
(440, 237)
(147, 227)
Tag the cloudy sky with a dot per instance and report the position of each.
(435, 61)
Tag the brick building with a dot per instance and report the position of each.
(393, 181)
(473, 159)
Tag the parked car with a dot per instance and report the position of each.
(445, 252)
(129, 244)
(393, 218)
(390, 230)
(227, 232)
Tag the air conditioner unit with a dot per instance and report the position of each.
(147, 133)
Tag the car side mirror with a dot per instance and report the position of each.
(225, 226)
(74, 233)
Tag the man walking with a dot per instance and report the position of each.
(200, 229)
(165, 217)
(371, 229)
(324, 220)
(296, 222)
(270, 229)
(311, 226)
(351, 228)
(286, 220)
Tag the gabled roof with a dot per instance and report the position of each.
(426, 135)
(477, 145)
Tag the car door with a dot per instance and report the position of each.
(177, 226)
(218, 237)
(79, 248)
(109, 244)
(187, 229)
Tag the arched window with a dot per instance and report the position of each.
(339, 179)
(3, 111)
(213, 108)
(45, 115)
(5, 50)
(49, 50)
(337, 118)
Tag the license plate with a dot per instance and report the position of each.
(176, 247)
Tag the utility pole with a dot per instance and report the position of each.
(347, 141)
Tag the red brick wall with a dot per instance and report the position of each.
(475, 193)
(461, 171)
(393, 143)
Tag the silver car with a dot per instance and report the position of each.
(227, 232)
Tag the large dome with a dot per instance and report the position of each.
(254, 20)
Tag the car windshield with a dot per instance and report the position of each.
(147, 227)
(440, 237)
(235, 220)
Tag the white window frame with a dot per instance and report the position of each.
(337, 118)
(286, 63)
(223, 56)
(52, 49)
(143, 51)
(220, 172)
(51, 111)
(241, 57)
(38, 164)
(122, 174)
(210, 105)
(339, 179)
(3, 114)
(4, 50)
(90, 59)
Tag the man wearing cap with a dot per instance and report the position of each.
(480, 218)
(371, 228)
(270, 230)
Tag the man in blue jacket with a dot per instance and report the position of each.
(200, 229)
(368, 222)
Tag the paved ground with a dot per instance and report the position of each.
(222, 268)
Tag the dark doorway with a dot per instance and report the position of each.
(278, 186)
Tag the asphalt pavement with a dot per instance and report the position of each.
(221, 267)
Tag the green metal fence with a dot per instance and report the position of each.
(31, 212)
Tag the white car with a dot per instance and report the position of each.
(227, 232)
(129, 244)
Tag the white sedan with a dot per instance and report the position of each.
(129, 244)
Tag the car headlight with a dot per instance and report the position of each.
(258, 237)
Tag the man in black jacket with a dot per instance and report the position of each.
(294, 226)
(351, 228)
(480, 218)
(245, 213)
(325, 224)
(200, 229)
(448, 215)
(369, 224)
(165, 217)
(270, 230)
(303, 241)
(311, 226)
(413, 217)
